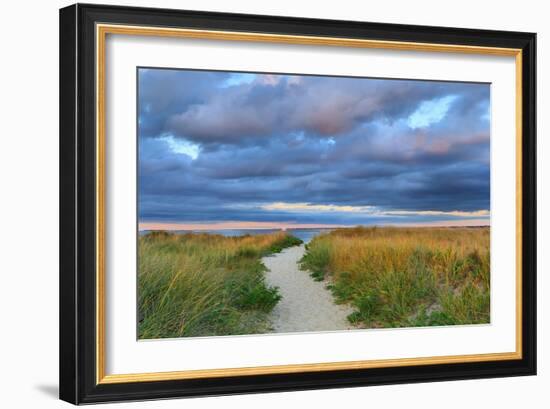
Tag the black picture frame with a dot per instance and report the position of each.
(78, 360)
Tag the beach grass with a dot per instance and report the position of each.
(405, 277)
(200, 284)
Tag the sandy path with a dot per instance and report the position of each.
(306, 304)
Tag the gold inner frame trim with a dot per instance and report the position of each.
(101, 33)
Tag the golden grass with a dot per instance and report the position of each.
(406, 276)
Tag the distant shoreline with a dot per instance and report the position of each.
(472, 226)
(305, 234)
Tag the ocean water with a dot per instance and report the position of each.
(304, 234)
(307, 234)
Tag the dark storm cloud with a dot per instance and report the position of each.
(323, 106)
(213, 148)
(164, 93)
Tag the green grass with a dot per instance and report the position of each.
(205, 284)
(403, 277)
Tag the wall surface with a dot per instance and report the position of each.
(29, 205)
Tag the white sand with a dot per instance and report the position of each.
(306, 304)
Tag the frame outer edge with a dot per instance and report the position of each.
(77, 382)
(68, 337)
(530, 204)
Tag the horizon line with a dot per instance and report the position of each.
(233, 225)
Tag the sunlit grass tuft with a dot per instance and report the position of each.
(205, 284)
(396, 277)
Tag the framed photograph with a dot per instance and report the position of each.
(257, 203)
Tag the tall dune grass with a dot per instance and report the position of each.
(396, 277)
(205, 284)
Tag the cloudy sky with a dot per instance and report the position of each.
(229, 150)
